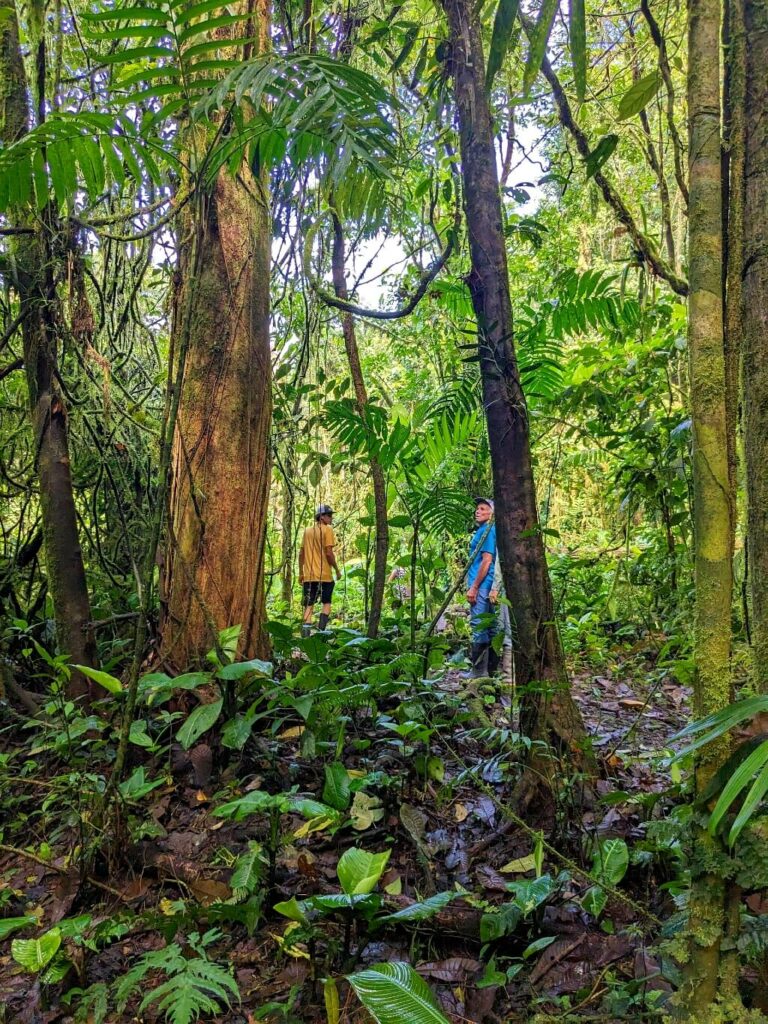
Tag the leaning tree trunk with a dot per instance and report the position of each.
(361, 399)
(34, 280)
(755, 294)
(214, 562)
(713, 506)
(538, 652)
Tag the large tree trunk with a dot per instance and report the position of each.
(713, 506)
(36, 287)
(755, 289)
(361, 399)
(538, 652)
(214, 565)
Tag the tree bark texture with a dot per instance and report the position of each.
(755, 307)
(214, 565)
(538, 652)
(35, 284)
(713, 506)
(378, 478)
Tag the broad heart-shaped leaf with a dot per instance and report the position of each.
(239, 669)
(12, 924)
(336, 790)
(594, 901)
(200, 721)
(359, 871)
(503, 23)
(236, 732)
(426, 909)
(256, 802)
(104, 679)
(539, 38)
(577, 27)
(34, 954)
(610, 861)
(395, 994)
(639, 95)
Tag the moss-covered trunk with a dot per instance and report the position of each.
(538, 652)
(755, 296)
(713, 504)
(34, 280)
(214, 563)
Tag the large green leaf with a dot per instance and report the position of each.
(425, 909)
(639, 95)
(35, 954)
(740, 779)
(9, 925)
(610, 861)
(336, 791)
(501, 37)
(200, 721)
(104, 679)
(395, 994)
(359, 871)
(538, 40)
(578, 40)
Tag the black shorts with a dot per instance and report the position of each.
(314, 590)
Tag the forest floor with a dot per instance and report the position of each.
(444, 813)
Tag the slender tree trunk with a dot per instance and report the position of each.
(35, 284)
(713, 506)
(755, 282)
(221, 464)
(381, 547)
(538, 655)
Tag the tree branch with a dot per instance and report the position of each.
(642, 242)
(425, 280)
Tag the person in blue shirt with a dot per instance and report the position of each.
(482, 552)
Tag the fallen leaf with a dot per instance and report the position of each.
(460, 812)
(520, 866)
(291, 734)
(365, 810)
(209, 890)
(452, 971)
(628, 702)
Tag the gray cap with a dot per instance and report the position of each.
(485, 501)
(323, 510)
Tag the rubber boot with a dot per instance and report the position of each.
(479, 658)
(323, 621)
(493, 661)
(506, 664)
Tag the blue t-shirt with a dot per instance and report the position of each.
(476, 551)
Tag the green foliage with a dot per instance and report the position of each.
(503, 24)
(195, 985)
(360, 871)
(539, 38)
(393, 993)
(639, 95)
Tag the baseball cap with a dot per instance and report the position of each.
(485, 501)
(323, 510)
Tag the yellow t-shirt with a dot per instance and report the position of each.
(316, 566)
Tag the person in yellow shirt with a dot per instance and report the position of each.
(317, 564)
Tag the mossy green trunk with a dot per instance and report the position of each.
(755, 347)
(34, 279)
(214, 563)
(713, 505)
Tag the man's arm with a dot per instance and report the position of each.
(331, 558)
(482, 572)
